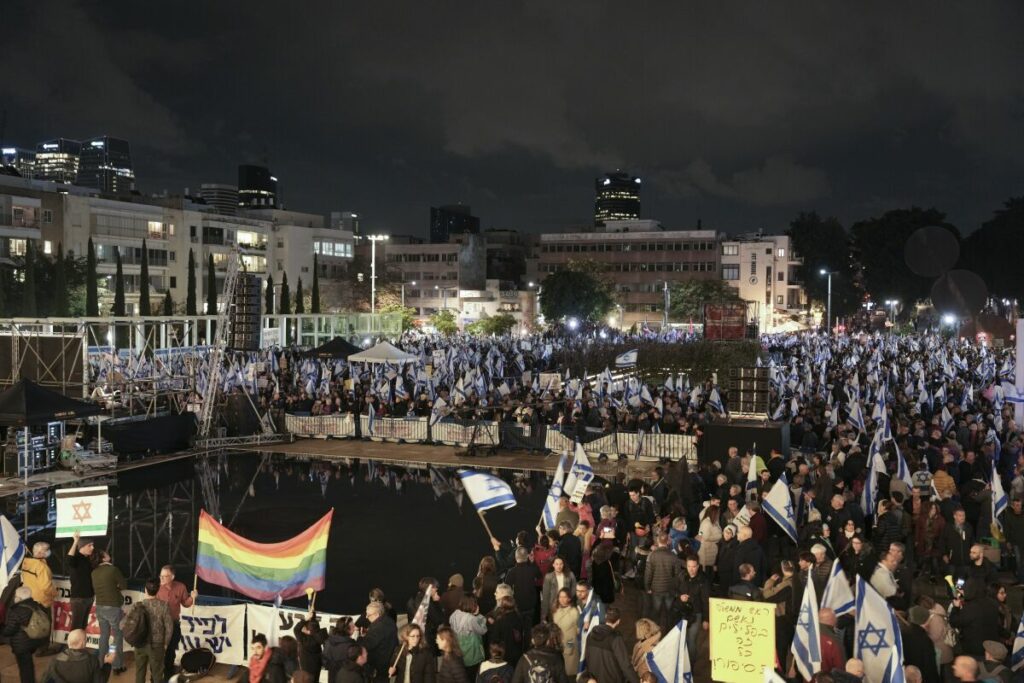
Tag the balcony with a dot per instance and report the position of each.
(17, 220)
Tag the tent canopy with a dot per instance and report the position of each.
(26, 403)
(382, 353)
(335, 348)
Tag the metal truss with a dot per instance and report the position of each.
(161, 528)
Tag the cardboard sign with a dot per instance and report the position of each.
(742, 639)
(84, 510)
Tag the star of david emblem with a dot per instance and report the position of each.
(82, 511)
(789, 510)
(687, 677)
(806, 619)
(869, 630)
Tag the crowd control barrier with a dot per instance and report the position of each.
(511, 435)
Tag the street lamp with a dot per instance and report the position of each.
(373, 268)
(444, 295)
(828, 308)
(413, 283)
(892, 304)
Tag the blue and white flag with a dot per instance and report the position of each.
(869, 498)
(371, 417)
(554, 494)
(12, 551)
(627, 359)
(438, 482)
(669, 660)
(778, 503)
(837, 596)
(580, 475)
(715, 401)
(999, 498)
(856, 418)
(1017, 657)
(806, 646)
(877, 641)
(947, 420)
(437, 411)
(902, 471)
(486, 490)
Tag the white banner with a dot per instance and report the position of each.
(338, 426)
(456, 434)
(409, 430)
(84, 510)
(62, 615)
(221, 629)
(274, 623)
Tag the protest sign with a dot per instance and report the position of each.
(220, 629)
(742, 639)
(276, 622)
(84, 510)
(62, 615)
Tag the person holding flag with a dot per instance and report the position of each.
(806, 646)
(877, 640)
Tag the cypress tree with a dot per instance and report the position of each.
(60, 284)
(300, 306)
(118, 309)
(92, 298)
(190, 293)
(268, 296)
(314, 303)
(29, 295)
(4, 284)
(168, 304)
(144, 304)
(286, 293)
(211, 287)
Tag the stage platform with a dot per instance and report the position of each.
(419, 455)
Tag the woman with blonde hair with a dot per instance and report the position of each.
(647, 636)
(709, 534)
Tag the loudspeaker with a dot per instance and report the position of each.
(245, 313)
(744, 434)
(239, 416)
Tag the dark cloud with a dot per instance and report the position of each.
(739, 114)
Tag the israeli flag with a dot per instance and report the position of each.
(12, 551)
(837, 596)
(947, 420)
(627, 359)
(437, 412)
(806, 646)
(486, 490)
(780, 412)
(878, 641)
(554, 494)
(869, 498)
(715, 401)
(371, 417)
(580, 475)
(999, 497)
(902, 471)
(1017, 657)
(778, 503)
(669, 660)
(856, 418)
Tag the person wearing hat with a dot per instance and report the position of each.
(452, 597)
(992, 667)
(80, 573)
(918, 648)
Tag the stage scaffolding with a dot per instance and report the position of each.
(155, 527)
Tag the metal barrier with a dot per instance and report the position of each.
(462, 433)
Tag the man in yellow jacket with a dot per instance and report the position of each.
(37, 577)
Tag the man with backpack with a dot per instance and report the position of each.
(107, 584)
(607, 657)
(148, 628)
(27, 628)
(540, 664)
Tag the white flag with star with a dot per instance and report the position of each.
(877, 640)
(669, 660)
(84, 510)
(806, 646)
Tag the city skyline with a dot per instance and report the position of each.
(738, 118)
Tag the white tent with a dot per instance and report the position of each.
(383, 353)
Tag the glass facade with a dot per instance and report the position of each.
(106, 164)
(618, 198)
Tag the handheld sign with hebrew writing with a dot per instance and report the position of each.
(84, 510)
(742, 639)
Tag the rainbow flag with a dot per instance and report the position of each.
(263, 571)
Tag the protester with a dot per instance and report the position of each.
(352, 669)
(505, 625)
(17, 630)
(566, 617)
(80, 556)
(76, 664)
(648, 634)
(451, 668)
(337, 645)
(495, 669)
(176, 595)
(159, 629)
(380, 641)
(606, 654)
(412, 661)
(540, 662)
(107, 584)
(310, 639)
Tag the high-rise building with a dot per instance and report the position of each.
(223, 198)
(618, 197)
(57, 160)
(257, 189)
(454, 219)
(21, 160)
(106, 164)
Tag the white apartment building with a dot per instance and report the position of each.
(763, 269)
(437, 276)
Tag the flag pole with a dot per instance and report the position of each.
(484, 522)
(195, 585)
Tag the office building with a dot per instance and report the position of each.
(105, 163)
(223, 199)
(21, 160)
(347, 221)
(454, 219)
(618, 198)
(637, 257)
(57, 160)
(437, 276)
(257, 189)
(763, 269)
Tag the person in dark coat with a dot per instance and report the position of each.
(353, 668)
(976, 616)
(77, 664)
(603, 572)
(22, 646)
(569, 548)
(380, 641)
(413, 656)
(749, 551)
(606, 654)
(311, 639)
(524, 579)
(726, 560)
(451, 669)
(505, 626)
(435, 614)
(336, 647)
(918, 648)
(956, 542)
(540, 658)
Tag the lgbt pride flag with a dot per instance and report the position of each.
(263, 571)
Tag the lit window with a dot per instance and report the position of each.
(781, 253)
(47, 247)
(17, 247)
(730, 249)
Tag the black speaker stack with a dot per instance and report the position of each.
(245, 313)
(749, 391)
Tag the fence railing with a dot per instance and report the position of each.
(488, 433)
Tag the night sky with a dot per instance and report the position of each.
(740, 114)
